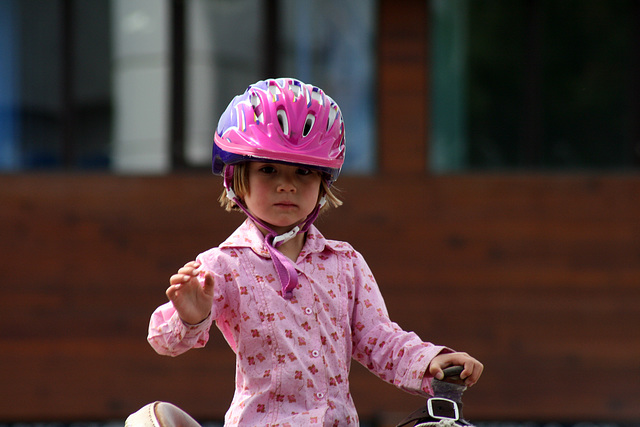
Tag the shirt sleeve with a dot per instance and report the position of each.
(170, 336)
(396, 356)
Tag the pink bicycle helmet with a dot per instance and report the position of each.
(282, 120)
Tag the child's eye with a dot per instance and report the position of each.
(303, 171)
(268, 169)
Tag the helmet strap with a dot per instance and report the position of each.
(228, 182)
(284, 266)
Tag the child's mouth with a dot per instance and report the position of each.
(286, 204)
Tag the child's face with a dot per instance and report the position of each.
(281, 195)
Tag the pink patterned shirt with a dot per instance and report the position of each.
(293, 356)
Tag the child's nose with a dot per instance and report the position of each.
(286, 183)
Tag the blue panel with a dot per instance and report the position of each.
(9, 153)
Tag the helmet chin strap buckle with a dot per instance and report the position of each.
(282, 238)
(227, 182)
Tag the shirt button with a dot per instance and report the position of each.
(308, 310)
(315, 353)
(320, 395)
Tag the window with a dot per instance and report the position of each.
(136, 86)
(331, 43)
(537, 85)
(328, 44)
(55, 84)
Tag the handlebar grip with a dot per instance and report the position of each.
(453, 371)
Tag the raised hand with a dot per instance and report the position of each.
(191, 299)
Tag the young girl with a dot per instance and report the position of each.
(293, 306)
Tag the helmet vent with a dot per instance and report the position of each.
(316, 95)
(308, 124)
(257, 108)
(283, 121)
(274, 90)
(295, 87)
(254, 99)
(333, 112)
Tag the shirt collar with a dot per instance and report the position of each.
(248, 235)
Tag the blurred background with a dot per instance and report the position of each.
(492, 183)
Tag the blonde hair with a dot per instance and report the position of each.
(240, 186)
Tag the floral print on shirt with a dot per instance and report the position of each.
(293, 356)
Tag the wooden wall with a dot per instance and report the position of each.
(537, 276)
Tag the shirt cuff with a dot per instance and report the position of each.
(427, 378)
(195, 325)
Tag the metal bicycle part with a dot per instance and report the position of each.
(444, 408)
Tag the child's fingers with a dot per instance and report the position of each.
(193, 265)
(180, 288)
(186, 273)
(179, 278)
(435, 369)
(171, 291)
(189, 271)
(471, 373)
